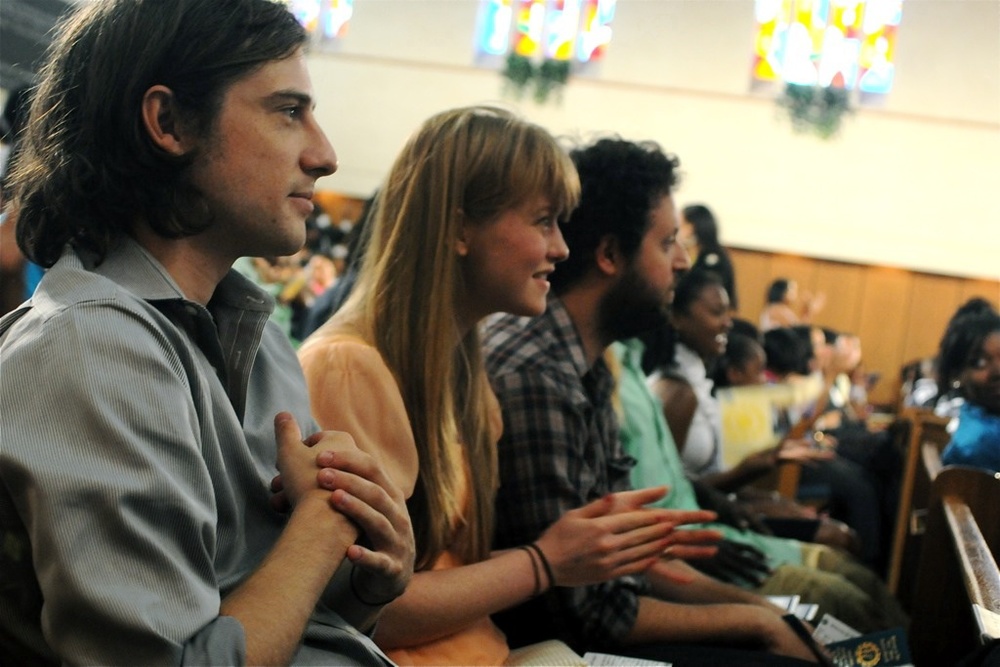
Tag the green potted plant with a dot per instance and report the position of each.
(815, 109)
(520, 74)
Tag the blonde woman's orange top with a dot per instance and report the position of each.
(352, 390)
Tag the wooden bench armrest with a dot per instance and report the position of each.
(979, 568)
(932, 459)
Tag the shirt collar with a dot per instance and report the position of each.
(632, 351)
(567, 334)
(133, 267)
(688, 359)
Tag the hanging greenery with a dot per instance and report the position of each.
(815, 109)
(521, 74)
(518, 74)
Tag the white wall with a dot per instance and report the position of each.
(912, 184)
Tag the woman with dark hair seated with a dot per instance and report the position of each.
(699, 234)
(699, 326)
(969, 362)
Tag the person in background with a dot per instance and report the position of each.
(923, 389)
(763, 563)
(466, 225)
(332, 299)
(788, 355)
(700, 237)
(969, 363)
(845, 486)
(743, 365)
(785, 308)
(696, 337)
(561, 450)
(870, 445)
(148, 404)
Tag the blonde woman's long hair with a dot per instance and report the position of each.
(468, 164)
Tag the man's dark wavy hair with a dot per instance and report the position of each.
(620, 182)
(88, 170)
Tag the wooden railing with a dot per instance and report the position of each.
(914, 428)
(956, 599)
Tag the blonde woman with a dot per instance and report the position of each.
(465, 226)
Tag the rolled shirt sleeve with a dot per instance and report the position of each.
(136, 451)
(106, 480)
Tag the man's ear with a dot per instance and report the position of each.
(608, 256)
(163, 123)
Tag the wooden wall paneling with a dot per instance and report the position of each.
(933, 300)
(842, 283)
(988, 289)
(753, 275)
(885, 304)
(339, 207)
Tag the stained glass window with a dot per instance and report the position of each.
(529, 26)
(563, 30)
(847, 44)
(328, 19)
(493, 33)
(595, 36)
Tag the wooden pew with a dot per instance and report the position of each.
(914, 428)
(956, 600)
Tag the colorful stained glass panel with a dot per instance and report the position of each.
(545, 29)
(562, 20)
(493, 32)
(529, 27)
(595, 33)
(832, 43)
(336, 18)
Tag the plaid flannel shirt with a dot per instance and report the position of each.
(560, 449)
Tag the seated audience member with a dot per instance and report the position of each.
(743, 365)
(765, 564)
(466, 225)
(783, 308)
(321, 273)
(924, 386)
(969, 362)
(788, 355)
(136, 509)
(699, 234)
(847, 486)
(694, 341)
(871, 447)
(746, 328)
(560, 448)
(861, 384)
(331, 300)
(699, 326)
